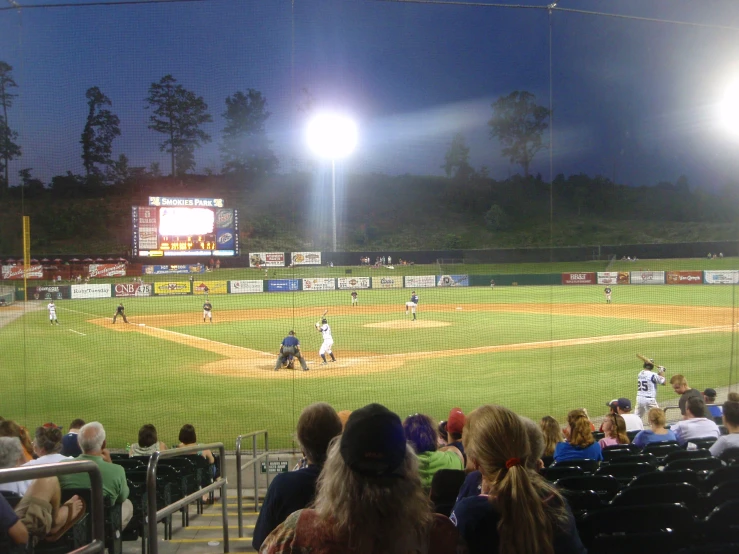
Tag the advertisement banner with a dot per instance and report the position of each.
(50, 292)
(16, 272)
(172, 269)
(246, 286)
(107, 270)
(647, 277)
(387, 282)
(283, 285)
(420, 281)
(148, 228)
(348, 283)
(132, 289)
(175, 287)
(323, 283)
(306, 258)
(224, 219)
(90, 291)
(726, 277)
(214, 287)
(579, 278)
(684, 277)
(453, 281)
(266, 259)
(608, 278)
(624, 277)
(225, 239)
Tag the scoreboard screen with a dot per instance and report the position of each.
(185, 227)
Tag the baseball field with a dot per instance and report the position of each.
(538, 350)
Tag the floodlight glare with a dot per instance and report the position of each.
(729, 107)
(332, 136)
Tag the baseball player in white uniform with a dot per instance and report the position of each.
(52, 313)
(412, 304)
(328, 341)
(647, 381)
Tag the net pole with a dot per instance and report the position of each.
(26, 254)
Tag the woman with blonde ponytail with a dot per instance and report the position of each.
(518, 512)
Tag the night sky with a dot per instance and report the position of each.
(634, 99)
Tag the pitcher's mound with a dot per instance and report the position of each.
(408, 324)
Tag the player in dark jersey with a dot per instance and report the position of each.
(355, 299)
(207, 310)
(120, 311)
(607, 292)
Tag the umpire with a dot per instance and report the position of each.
(290, 347)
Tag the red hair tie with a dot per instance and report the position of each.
(512, 462)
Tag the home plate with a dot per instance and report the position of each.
(459, 307)
(141, 324)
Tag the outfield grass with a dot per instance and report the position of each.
(125, 379)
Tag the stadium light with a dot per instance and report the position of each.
(333, 137)
(729, 108)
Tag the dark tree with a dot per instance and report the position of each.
(8, 148)
(32, 186)
(101, 128)
(518, 123)
(457, 159)
(245, 147)
(178, 113)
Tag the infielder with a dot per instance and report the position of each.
(412, 304)
(328, 341)
(607, 292)
(647, 381)
(289, 348)
(52, 313)
(207, 311)
(355, 298)
(120, 311)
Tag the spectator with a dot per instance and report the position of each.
(47, 445)
(70, 446)
(115, 488)
(552, 434)
(11, 455)
(733, 397)
(454, 426)
(731, 420)
(443, 434)
(622, 407)
(420, 432)
(695, 425)
(188, 437)
(680, 386)
(10, 524)
(580, 443)
(709, 397)
(614, 428)
(445, 487)
(369, 497)
(9, 428)
(344, 417)
(317, 426)
(657, 431)
(518, 510)
(148, 442)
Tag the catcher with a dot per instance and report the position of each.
(647, 381)
(290, 347)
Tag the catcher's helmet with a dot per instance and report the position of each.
(324, 320)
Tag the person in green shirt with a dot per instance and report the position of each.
(421, 434)
(91, 438)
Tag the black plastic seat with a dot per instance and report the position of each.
(588, 466)
(597, 435)
(635, 459)
(668, 493)
(130, 464)
(705, 442)
(720, 475)
(730, 455)
(624, 473)
(696, 464)
(663, 477)
(604, 485)
(721, 493)
(722, 524)
(582, 501)
(553, 473)
(662, 449)
(632, 434)
(611, 453)
(687, 455)
(637, 543)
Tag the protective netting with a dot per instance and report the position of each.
(538, 338)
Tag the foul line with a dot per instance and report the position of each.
(195, 337)
(83, 334)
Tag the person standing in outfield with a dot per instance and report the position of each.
(607, 292)
(646, 391)
(412, 304)
(52, 313)
(207, 310)
(492, 283)
(355, 299)
(328, 341)
(120, 311)
(290, 347)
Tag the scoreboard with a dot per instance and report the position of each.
(184, 227)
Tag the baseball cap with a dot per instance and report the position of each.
(710, 393)
(456, 420)
(623, 403)
(373, 442)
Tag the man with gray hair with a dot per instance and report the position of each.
(11, 455)
(92, 442)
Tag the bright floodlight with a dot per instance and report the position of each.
(332, 136)
(730, 107)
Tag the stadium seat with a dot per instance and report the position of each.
(661, 449)
(703, 443)
(634, 459)
(720, 475)
(604, 485)
(662, 477)
(722, 524)
(552, 473)
(610, 453)
(130, 464)
(624, 473)
(597, 435)
(588, 466)
(582, 501)
(668, 493)
(696, 464)
(686, 455)
(633, 434)
(661, 542)
(723, 492)
(703, 548)
(730, 455)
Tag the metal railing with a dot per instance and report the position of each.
(151, 491)
(96, 511)
(241, 468)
